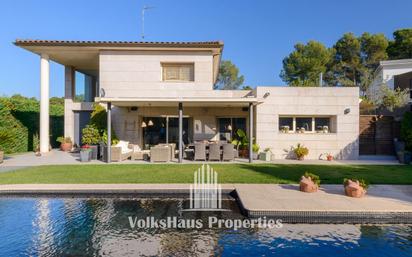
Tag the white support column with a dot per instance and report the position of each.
(109, 132)
(44, 103)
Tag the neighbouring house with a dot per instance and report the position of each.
(395, 74)
(162, 92)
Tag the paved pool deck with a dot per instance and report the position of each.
(56, 157)
(382, 204)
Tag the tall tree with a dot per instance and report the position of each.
(303, 66)
(373, 50)
(401, 46)
(229, 77)
(347, 67)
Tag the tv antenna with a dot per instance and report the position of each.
(144, 9)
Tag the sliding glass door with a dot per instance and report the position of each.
(161, 130)
(229, 126)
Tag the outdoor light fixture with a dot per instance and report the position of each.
(266, 95)
(144, 124)
(229, 127)
(150, 123)
(346, 111)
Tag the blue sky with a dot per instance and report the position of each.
(257, 34)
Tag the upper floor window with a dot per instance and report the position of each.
(178, 72)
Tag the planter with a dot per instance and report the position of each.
(94, 151)
(307, 185)
(353, 189)
(66, 147)
(329, 158)
(265, 156)
(300, 158)
(1, 156)
(243, 153)
(400, 155)
(255, 156)
(85, 155)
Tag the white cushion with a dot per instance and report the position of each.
(124, 145)
(136, 148)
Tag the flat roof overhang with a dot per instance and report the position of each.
(84, 55)
(187, 102)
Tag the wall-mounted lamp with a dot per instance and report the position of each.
(266, 95)
(346, 111)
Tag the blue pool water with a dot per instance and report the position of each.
(100, 227)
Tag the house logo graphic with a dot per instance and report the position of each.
(205, 192)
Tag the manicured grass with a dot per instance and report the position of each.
(228, 173)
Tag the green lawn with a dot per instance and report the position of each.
(228, 173)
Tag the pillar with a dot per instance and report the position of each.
(109, 132)
(250, 132)
(180, 132)
(44, 103)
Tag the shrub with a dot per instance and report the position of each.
(90, 135)
(115, 140)
(313, 177)
(20, 117)
(255, 148)
(300, 151)
(406, 130)
(363, 183)
(66, 140)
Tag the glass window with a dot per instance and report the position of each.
(285, 124)
(303, 124)
(229, 126)
(178, 72)
(322, 125)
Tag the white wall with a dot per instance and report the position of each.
(294, 101)
(139, 73)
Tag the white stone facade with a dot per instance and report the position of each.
(331, 102)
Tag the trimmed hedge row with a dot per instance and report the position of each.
(20, 115)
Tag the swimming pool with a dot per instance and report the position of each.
(100, 227)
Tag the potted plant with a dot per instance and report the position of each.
(85, 153)
(309, 183)
(266, 155)
(241, 143)
(329, 157)
(355, 187)
(300, 151)
(284, 129)
(66, 143)
(91, 137)
(255, 150)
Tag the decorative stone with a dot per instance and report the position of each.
(353, 189)
(307, 185)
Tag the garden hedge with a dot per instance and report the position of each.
(19, 116)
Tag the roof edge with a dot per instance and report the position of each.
(37, 42)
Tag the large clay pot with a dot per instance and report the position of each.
(66, 147)
(307, 185)
(353, 189)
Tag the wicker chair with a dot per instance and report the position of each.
(214, 152)
(200, 152)
(116, 154)
(228, 152)
(160, 154)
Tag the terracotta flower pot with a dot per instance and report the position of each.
(329, 157)
(66, 147)
(353, 189)
(307, 185)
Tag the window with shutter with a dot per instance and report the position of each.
(178, 71)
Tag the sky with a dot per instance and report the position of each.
(257, 34)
